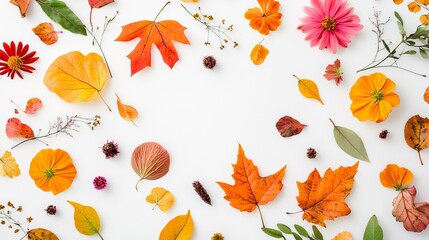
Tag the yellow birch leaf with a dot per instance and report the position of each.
(46, 33)
(161, 197)
(258, 54)
(8, 166)
(127, 112)
(343, 236)
(179, 228)
(309, 89)
(86, 219)
(77, 78)
(41, 234)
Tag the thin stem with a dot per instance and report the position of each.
(137, 184)
(420, 157)
(107, 105)
(101, 237)
(101, 49)
(398, 67)
(294, 212)
(260, 214)
(90, 23)
(165, 5)
(43, 136)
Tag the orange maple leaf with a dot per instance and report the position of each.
(251, 190)
(151, 32)
(323, 198)
(265, 19)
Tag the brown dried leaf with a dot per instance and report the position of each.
(416, 134)
(288, 126)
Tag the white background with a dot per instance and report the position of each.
(200, 116)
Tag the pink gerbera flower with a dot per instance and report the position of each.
(330, 24)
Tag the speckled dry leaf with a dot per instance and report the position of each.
(86, 219)
(323, 198)
(77, 78)
(22, 5)
(258, 54)
(45, 31)
(416, 134)
(150, 161)
(15, 128)
(289, 126)
(127, 112)
(161, 197)
(179, 228)
(8, 165)
(309, 89)
(343, 236)
(33, 104)
(41, 234)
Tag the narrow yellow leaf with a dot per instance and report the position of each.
(161, 197)
(8, 166)
(258, 54)
(86, 219)
(309, 89)
(179, 228)
(127, 112)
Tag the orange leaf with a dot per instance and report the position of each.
(99, 3)
(251, 190)
(15, 128)
(416, 134)
(22, 5)
(41, 234)
(127, 112)
(426, 96)
(309, 89)
(33, 104)
(413, 7)
(162, 34)
(395, 177)
(46, 33)
(343, 236)
(258, 54)
(264, 19)
(323, 198)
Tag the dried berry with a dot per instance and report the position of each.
(311, 153)
(51, 210)
(110, 149)
(383, 134)
(217, 236)
(209, 62)
(202, 192)
(99, 182)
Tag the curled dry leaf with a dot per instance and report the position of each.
(309, 89)
(33, 105)
(161, 197)
(77, 78)
(343, 236)
(416, 134)
(15, 129)
(46, 33)
(99, 3)
(179, 228)
(127, 112)
(41, 234)
(415, 216)
(86, 219)
(288, 126)
(150, 161)
(258, 54)
(22, 5)
(8, 165)
(396, 177)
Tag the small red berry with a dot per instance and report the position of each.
(311, 153)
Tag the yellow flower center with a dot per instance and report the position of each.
(377, 96)
(328, 24)
(49, 173)
(15, 62)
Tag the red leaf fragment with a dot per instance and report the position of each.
(15, 128)
(333, 72)
(288, 126)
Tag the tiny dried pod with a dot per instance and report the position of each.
(150, 161)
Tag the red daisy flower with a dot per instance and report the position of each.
(15, 58)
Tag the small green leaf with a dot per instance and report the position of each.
(301, 230)
(350, 143)
(410, 52)
(317, 234)
(59, 12)
(411, 43)
(373, 230)
(296, 236)
(399, 17)
(401, 29)
(284, 228)
(272, 232)
(423, 53)
(385, 45)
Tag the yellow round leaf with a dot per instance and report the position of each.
(258, 54)
(161, 197)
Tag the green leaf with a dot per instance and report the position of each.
(385, 45)
(373, 230)
(317, 234)
(59, 12)
(284, 228)
(350, 143)
(423, 53)
(296, 236)
(401, 29)
(301, 230)
(399, 17)
(411, 43)
(410, 52)
(272, 232)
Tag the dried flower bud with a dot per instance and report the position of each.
(209, 62)
(99, 182)
(110, 149)
(383, 134)
(217, 236)
(311, 153)
(29, 219)
(202, 192)
(51, 210)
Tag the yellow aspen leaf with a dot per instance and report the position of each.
(86, 219)
(258, 54)
(414, 7)
(161, 197)
(127, 112)
(45, 31)
(41, 234)
(343, 236)
(77, 78)
(8, 165)
(309, 89)
(179, 228)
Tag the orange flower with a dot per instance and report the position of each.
(373, 97)
(395, 177)
(52, 170)
(424, 2)
(265, 19)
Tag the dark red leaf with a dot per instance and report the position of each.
(288, 126)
